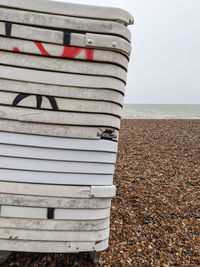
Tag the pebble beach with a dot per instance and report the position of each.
(155, 216)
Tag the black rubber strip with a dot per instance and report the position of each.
(66, 38)
(19, 98)
(8, 28)
(50, 213)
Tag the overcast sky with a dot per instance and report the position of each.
(165, 61)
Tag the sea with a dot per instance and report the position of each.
(157, 111)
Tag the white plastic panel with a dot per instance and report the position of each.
(71, 9)
(65, 23)
(62, 91)
(55, 50)
(51, 247)
(82, 214)
(67, 236)
(23, 212)
(63, 104)
(57, 190)
(60, 65)
(54, 225)
(55, 202)
(99, 191)
(56, 142)
(55, 166)
(58, 117)
(56, 131)
(53, 160)
(56, 154)
(104, 42)
(59, 214)
(63, 79)
(55, 178)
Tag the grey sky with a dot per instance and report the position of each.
(165, 61)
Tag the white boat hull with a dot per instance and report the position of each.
(79, 217)
(53, 160)
(63, 74)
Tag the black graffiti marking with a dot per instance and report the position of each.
(66, 38)
(53, 102)
(19, 98)
(8, 28)
(51, 99)
(39, 101)
(50, 213)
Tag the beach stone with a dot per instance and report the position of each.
(4, 255)
(165, 153)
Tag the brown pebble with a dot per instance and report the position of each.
(157, 177)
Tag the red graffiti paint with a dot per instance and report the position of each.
(72, 52)
(16, 49)
(42, 49)
(89, 53)
(68, 51)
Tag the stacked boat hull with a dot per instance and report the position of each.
(57, 219)
(63, 70)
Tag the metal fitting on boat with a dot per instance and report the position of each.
(114, 44)
(90, 41)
